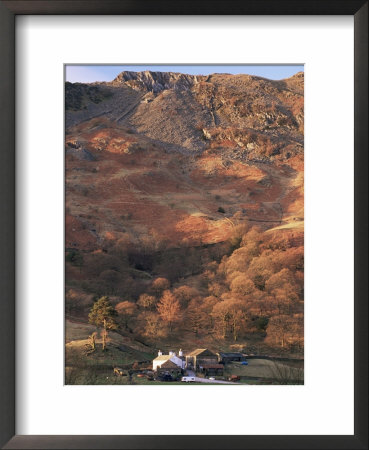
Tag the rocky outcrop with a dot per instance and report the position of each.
(193, 113)
(156, 81)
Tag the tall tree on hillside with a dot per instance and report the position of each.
(103, 315)
(75, 258)
(242, 285)
(126, 310)
(238, 316)
(222, 318)
(279, 329)
(150, 325)
(230, 316)
(196, 319)
(159, 285)
(283, 287)
(169, 309)
(185, 294)
(238, 231)
(147, 301)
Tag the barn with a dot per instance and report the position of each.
(225, 358)
(212, 369)
(200, 357)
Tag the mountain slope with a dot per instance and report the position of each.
(191, 113)
(188, 188)
(181, 147)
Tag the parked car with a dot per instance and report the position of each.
(188, 379)
(211, 378)
(234, 378)
(140, 375)
(165, 377)
(119, 372)
(244, 363)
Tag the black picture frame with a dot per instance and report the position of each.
(8, 12)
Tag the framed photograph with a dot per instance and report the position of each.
(184, 224)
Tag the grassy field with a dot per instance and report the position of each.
(264, 369)
(97, 367)
(106, 377)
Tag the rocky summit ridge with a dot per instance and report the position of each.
(254, 116)
(156, 81)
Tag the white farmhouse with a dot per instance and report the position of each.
(162, 359)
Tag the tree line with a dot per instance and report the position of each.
(254, 288)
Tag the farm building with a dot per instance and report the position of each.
(169, 367)
(212, 369)
(225, 358)
(162, 359)
(200, 357)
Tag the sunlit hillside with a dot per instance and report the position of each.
(185, 206)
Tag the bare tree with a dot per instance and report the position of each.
(169, 309)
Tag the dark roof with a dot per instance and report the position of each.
(202, 352)
(169, 365)
(231, 355)
(212, 366)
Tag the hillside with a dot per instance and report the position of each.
(200, 143)
(259, 117)
(173, 176)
